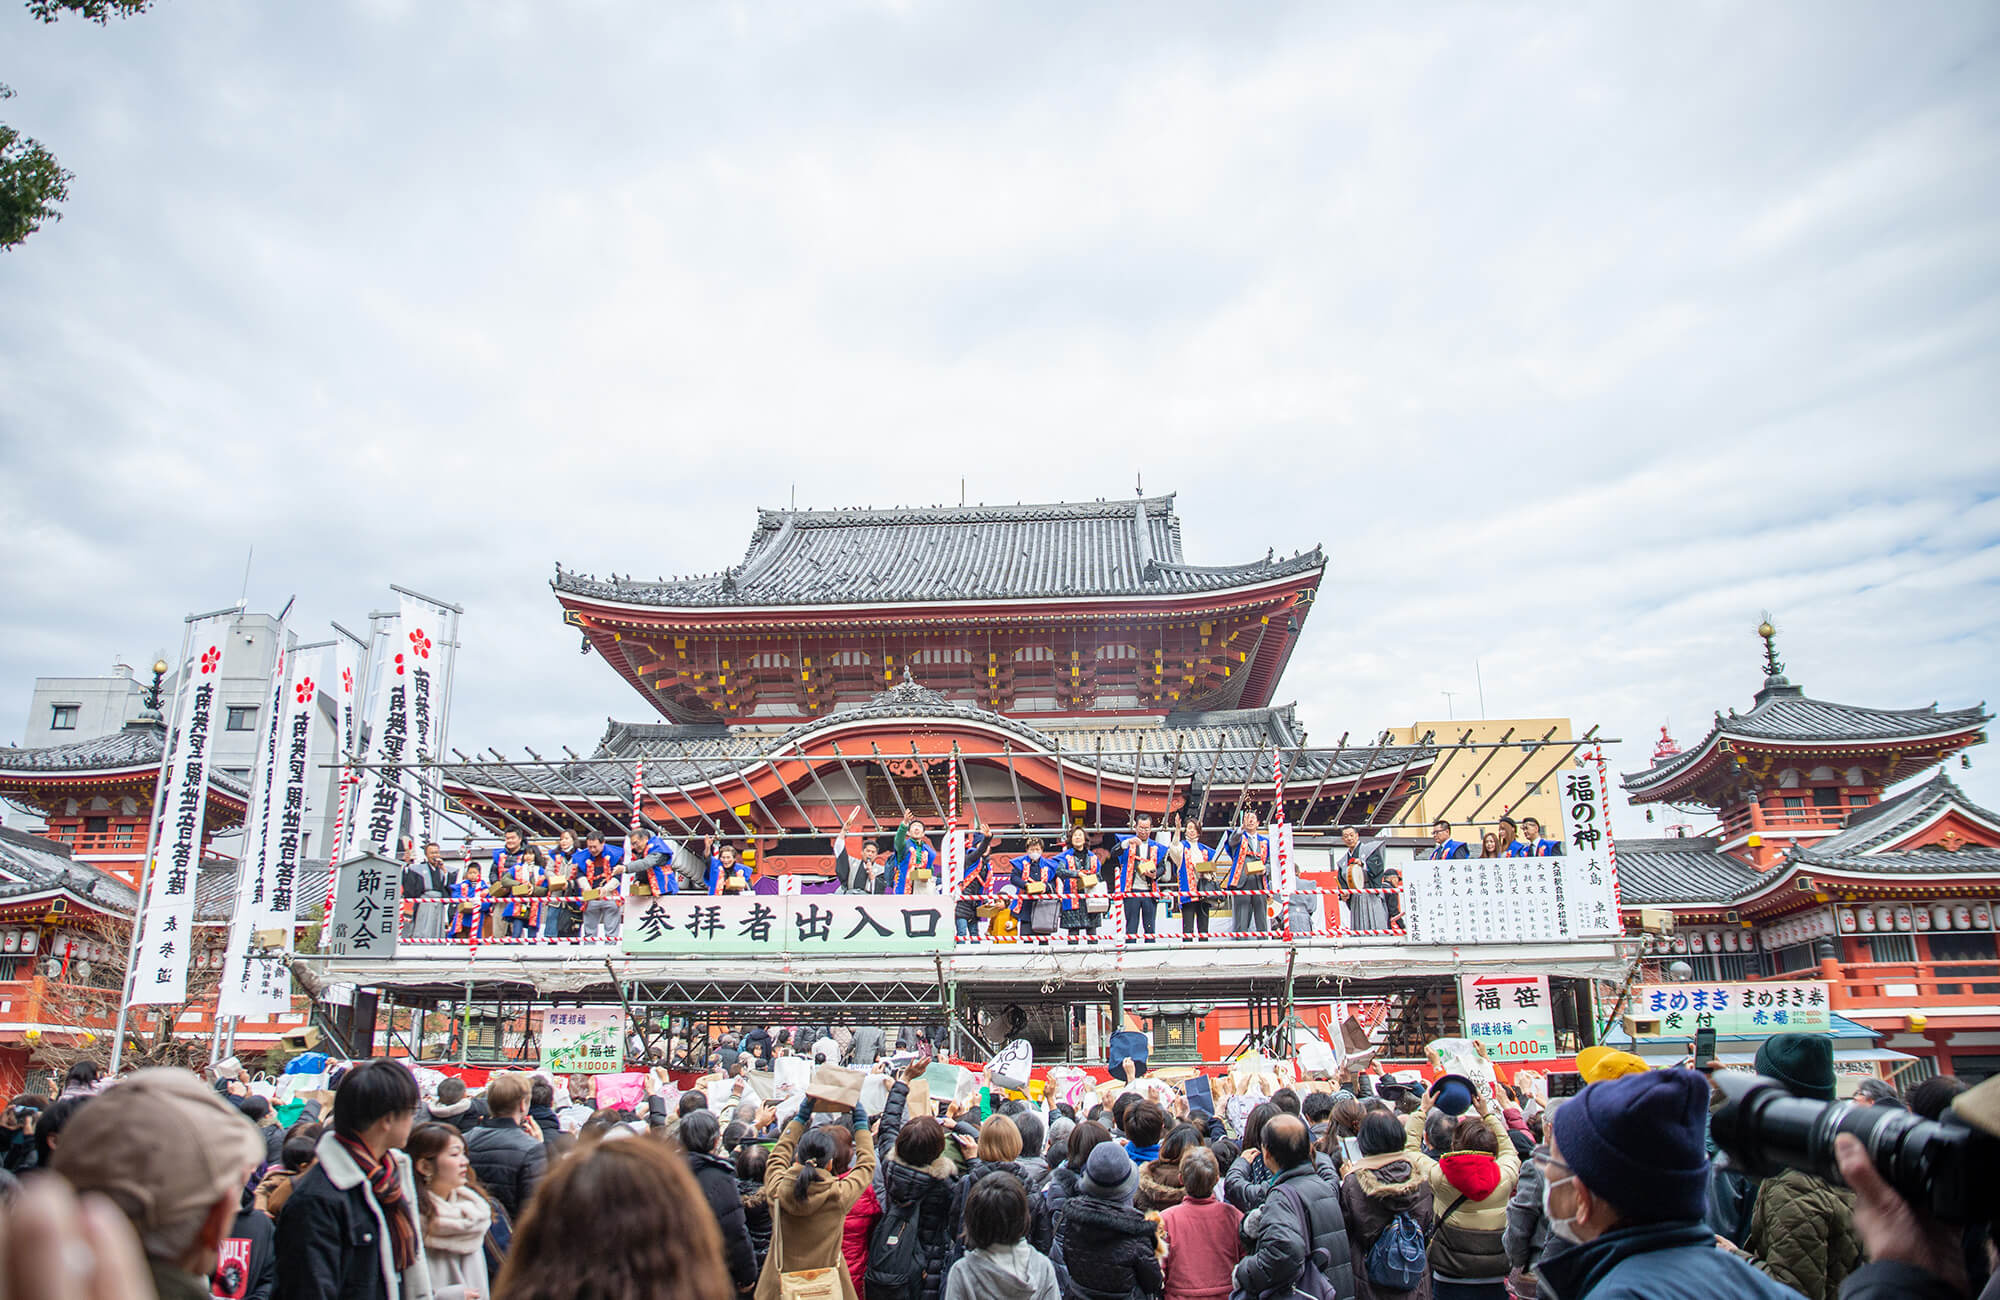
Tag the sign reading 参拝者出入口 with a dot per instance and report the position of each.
(1522, 899)
(1754, 1009)
(750, 925)
(1509, 1015)
(583, 1040)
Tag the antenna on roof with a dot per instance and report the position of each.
(1139, 482)
(961, 493)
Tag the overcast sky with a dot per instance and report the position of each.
(1578, 336)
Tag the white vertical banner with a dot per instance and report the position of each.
(951, 867)
(255, 985)
(1285, 863)
(421, 655)
(378, 798)
(252, 868)
(166, 926)
(347, 736)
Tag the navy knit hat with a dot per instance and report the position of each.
(1640, 1143)
(1454, 1093)
(1801, 1063)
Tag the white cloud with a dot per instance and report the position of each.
(1578, 338)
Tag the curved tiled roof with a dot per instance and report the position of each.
(1783, 712)
(691, 756)
(134, 745)
(827, 557)
(1684, 869)
(30, 864)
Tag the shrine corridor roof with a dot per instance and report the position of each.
(946, 553)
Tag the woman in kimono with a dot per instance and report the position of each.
(1081, 875)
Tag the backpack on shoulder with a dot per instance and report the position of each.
(1398, 1258)
(896, 1255)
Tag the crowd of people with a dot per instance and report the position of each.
(1023, 885)
(162, 1184)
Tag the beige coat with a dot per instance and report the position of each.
(808, 1231)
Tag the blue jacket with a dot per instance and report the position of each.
(914, 854)
(1026, 870)
(1448, 849)
(1238, 845)
(1657, 1261)
(1546, 849)
(1516, 849)
(1131, 851)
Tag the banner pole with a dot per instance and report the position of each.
(152, 842)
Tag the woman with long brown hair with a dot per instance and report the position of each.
(646, 1231)
(454, 1214)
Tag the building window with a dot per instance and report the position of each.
(241, 718)
(1964, 947)
(1892, 947)
(64, 717)
(1794, 804)
(1825, 797)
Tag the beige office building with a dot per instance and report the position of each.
(1470, 788)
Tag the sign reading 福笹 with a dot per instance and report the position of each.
(166, 928)
(1508, 1015)
(583, 1040)
(1522, 899)
(754, 925)
(1756, 1009)
(367, 894)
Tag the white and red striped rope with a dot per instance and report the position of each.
(638, 791)
(1610, 844)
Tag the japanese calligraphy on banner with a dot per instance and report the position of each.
(754, 925)
(1756, 1010)
(1521, 900)
(367, 894)
(583, 1040)
(378, 804)
(252, 873)
(160, 976)
(418, 649)
(254, 984)
(347, 725)
(1508, 1015)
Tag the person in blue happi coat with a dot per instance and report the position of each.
(1443, 845)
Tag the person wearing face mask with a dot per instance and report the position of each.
(1624, 1182)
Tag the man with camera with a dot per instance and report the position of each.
(1802, 1226)
(1625, 1181)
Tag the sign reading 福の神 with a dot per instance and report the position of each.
(367, 895)
(1757, 1010)
(1508, 1015)
(583, 1040)
(752, 925)
(166, 927)
(1525, 899)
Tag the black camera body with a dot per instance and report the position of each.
(1943, 1167)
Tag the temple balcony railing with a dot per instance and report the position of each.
(1903, 986)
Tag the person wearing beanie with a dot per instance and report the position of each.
(170, 1153)
(1802, 1227)
(1625, 1181)
(1105, 1249)
(1596, 1064)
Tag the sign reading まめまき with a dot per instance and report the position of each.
(1756, 1010)
(583, 1040)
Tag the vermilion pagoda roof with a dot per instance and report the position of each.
(1784, 719)
(927, 555)
(130, 755)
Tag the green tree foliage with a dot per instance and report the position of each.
(32, 182)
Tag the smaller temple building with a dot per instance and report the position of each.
(1814, 871)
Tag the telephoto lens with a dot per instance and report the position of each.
(1943, 1168)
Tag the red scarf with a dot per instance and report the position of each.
(388, 1189)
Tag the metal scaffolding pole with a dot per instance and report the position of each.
(1367, 766)
(888, 776)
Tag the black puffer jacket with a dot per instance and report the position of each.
(756, 1216)
(1301, 1217)
(1062, 1184)
(929, 1191)
(717, 1178)
(509, 1163)
(1041, 1228)
(1106, 1251)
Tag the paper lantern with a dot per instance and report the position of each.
(1923, 918)
(1698, 941)
(1680, 943)
(10, 941)
(1982, 917)
(1730, 942)
(31, 940)
(1885, 917)
(1905, 920)
(1867, 917)
(1941, 917)
(1847, 920)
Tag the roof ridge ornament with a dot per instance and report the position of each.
(1774, 668)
